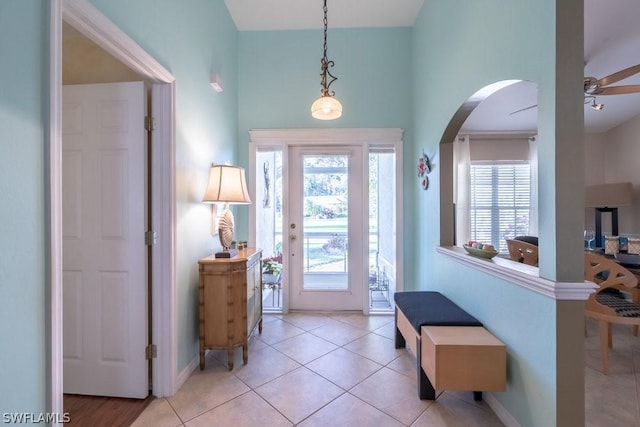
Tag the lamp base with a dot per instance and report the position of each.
(226, 254)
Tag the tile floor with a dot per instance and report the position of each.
(612, 400)
(343, 370)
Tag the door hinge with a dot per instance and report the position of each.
(150, 123)
(151, 352)
(150, 238)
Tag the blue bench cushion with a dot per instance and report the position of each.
(432, 308)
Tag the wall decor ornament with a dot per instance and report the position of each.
(266, 201)
(425, 182)
(424, 167)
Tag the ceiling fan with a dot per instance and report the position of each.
(594, 86)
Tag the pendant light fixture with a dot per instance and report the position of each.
(326, 107)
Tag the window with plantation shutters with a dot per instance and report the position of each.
(500, 201)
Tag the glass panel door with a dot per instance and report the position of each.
(382, 228)
(268, 225)
(326, 230)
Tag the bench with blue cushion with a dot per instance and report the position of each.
(413, 310)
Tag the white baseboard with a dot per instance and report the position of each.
(501, 412)
(184, 375)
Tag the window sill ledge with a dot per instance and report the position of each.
(522, 275)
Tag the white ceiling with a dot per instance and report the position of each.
(253, 15)
(612, 42)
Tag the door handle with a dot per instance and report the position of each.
(292, 237)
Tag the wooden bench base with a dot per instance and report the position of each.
(461, 355)
(406, 335)
(463, 358)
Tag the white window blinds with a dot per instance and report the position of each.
(500, 202)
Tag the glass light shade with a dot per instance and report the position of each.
(326, 108)
(227, 184)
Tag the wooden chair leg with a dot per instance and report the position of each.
(610, 334)
(605, 338)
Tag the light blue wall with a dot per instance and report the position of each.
(460, 47)
(190, 42)
(280, 78)
(190, 39)
(23, 101)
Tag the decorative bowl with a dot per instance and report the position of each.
(480, 252)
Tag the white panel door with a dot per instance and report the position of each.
(104, 253)
(326, 229)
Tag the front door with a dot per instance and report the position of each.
(105, 261)
(327, 228)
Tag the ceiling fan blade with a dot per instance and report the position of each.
(523, 109)
(617, 90)
(620, 75)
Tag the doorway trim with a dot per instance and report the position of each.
(367, 137)
(84, 17)
(347, 295)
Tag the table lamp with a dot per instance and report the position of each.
(226, 185)
(607, 198)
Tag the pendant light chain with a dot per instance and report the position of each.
(325, 22)
(327, 107)
(325, 63)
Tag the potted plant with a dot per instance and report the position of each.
(271, 269)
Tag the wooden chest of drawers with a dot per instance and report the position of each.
(230, 294)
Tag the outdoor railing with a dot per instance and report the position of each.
(329, 247)
(316, 240)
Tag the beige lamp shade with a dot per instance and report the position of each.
(227, 184)
(609, 195)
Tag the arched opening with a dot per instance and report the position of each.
(489, 167)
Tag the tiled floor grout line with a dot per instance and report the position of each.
(343, 346)
(344, 391)
(174, 410)
(269, 403)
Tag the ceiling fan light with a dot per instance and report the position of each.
(597, 106)
(326, 108)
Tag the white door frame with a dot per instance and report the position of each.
(281, 139)
(84, 17)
